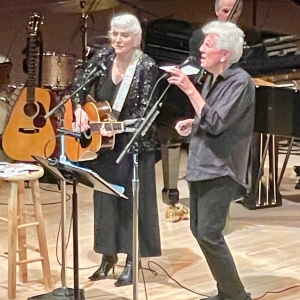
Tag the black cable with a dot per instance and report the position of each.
(177, 282)
(67, 243)
(155, 273)
(144, 281)
(278, 292)
(45, 154)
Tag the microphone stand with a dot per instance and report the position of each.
(64, 292)
(140, 131)
(65, 100)
(83, 27)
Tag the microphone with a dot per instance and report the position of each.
(96, 71)
(76, 135)
(191, 62)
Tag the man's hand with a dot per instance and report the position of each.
(177, 77)
(180, 79)
(184, 127)
(81, 120)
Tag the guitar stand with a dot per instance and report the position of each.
(68, 172)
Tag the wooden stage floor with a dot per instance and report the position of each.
(265, 244)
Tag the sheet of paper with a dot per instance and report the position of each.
(188, 70)
(11, 169)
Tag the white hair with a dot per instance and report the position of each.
(217, 5)
(230, 37)
(128, 22)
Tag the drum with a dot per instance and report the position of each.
(5, 110)
(8, 96)
(5, 68)
(58, 70)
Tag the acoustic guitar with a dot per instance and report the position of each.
(28, 132)
(87, 147)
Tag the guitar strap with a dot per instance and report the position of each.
(125, 85)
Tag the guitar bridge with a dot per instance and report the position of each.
(29, 130)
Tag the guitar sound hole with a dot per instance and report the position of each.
(39, 121)
(86, 139)
(31, 110)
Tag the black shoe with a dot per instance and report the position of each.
(240, 193)
(297, 170)
(108, 262)
(126, 276)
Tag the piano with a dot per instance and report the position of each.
(167, 41)
(277, 116)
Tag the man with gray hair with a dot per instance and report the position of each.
(222, 11)
(221, 135)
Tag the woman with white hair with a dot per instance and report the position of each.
(126, 79)
(221, 134)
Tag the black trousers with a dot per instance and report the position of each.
(209, 205)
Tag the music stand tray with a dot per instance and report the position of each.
(74, 174)
(70, 172)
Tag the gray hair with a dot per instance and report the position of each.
(217, 5)
(128, 22)
(230, 36)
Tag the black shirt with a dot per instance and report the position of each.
(221, 137)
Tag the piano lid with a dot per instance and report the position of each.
(272, 65)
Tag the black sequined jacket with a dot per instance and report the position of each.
(144, 79)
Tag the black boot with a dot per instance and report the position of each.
(108, 262)
(126, 276)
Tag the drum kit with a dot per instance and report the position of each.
(58, 69)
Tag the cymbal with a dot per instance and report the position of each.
(77, 6)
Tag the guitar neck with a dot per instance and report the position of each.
(32, 55)
(109, 126)
(34, 37)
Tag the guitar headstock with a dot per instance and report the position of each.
(129, 122)
(35, 22)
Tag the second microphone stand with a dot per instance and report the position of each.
(130, 147)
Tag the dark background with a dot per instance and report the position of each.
(61, 29)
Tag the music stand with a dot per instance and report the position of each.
(71, 173)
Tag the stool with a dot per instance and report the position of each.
(17, 225)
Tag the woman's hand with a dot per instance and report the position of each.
(81, 120)
(105, 132)
(106, 129)
(184, 127)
